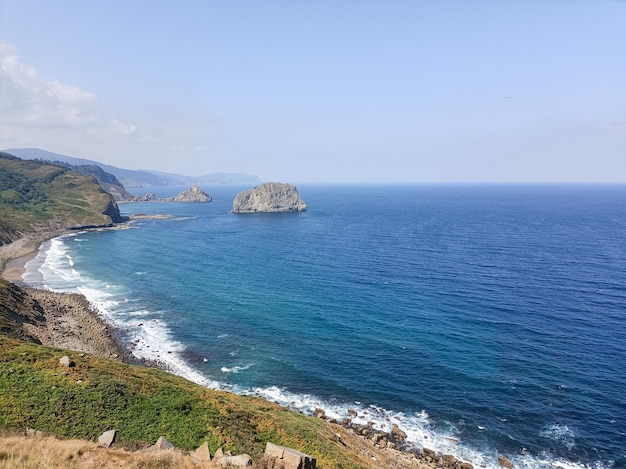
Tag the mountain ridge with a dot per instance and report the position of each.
(136, 178)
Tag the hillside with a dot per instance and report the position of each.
(139, 178)
(39, 196)
(107, 180)
(94, 395)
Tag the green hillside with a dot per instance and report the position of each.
(143, 403)
(35, 196)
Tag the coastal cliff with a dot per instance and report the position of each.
(269, 197)
(36, 196)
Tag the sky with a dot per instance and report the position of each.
(386, 91)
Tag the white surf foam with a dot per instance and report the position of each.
(420, 430)
(52, 267)
(151, 339)
(236, 369)
(561, 434)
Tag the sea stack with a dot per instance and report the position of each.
(194, 194)
(269, 197)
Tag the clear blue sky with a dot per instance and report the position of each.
(326, 90)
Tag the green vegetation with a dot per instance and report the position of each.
(36, 195)
(95, 394)
(143, 403)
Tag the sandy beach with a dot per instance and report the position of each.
(15, 268)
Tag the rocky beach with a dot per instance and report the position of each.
(69, 320)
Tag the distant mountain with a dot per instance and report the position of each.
(138, 178)
(213, 178)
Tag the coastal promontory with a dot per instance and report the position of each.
(269, 197)
(37, 197)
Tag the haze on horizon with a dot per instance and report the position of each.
(350, 91)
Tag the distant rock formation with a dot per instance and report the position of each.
(269, 197)
(195, 194)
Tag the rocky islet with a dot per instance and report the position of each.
(269, 197)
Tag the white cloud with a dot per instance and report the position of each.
(30, 103)
(59, 117)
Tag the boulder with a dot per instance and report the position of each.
(504, 462)
(162, 443)
(466, 465)
(219, 454)
(397, 433)
(106, 439)
(32, 433)
(269, 197)
(202, 454)
(287, 458)
(241, 460)
(447, 460)
(427, 452)
(65, 361)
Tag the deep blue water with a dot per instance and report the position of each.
(494, 315)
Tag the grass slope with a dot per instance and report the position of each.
(35, 195)
(143, 403)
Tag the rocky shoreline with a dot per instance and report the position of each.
(70, 322)
(69, 319)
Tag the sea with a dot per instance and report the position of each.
(483, 320)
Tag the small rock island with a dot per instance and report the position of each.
(195, 194)
(269, 197)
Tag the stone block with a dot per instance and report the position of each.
(106, 439)
(288, 458)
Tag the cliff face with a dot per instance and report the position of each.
(113, 212)
(17, 308)
(269, 197)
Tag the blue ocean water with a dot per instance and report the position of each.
(483, 320)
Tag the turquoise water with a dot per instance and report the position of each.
(491, 315)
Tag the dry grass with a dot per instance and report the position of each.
(20, 452)
(47, 452)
